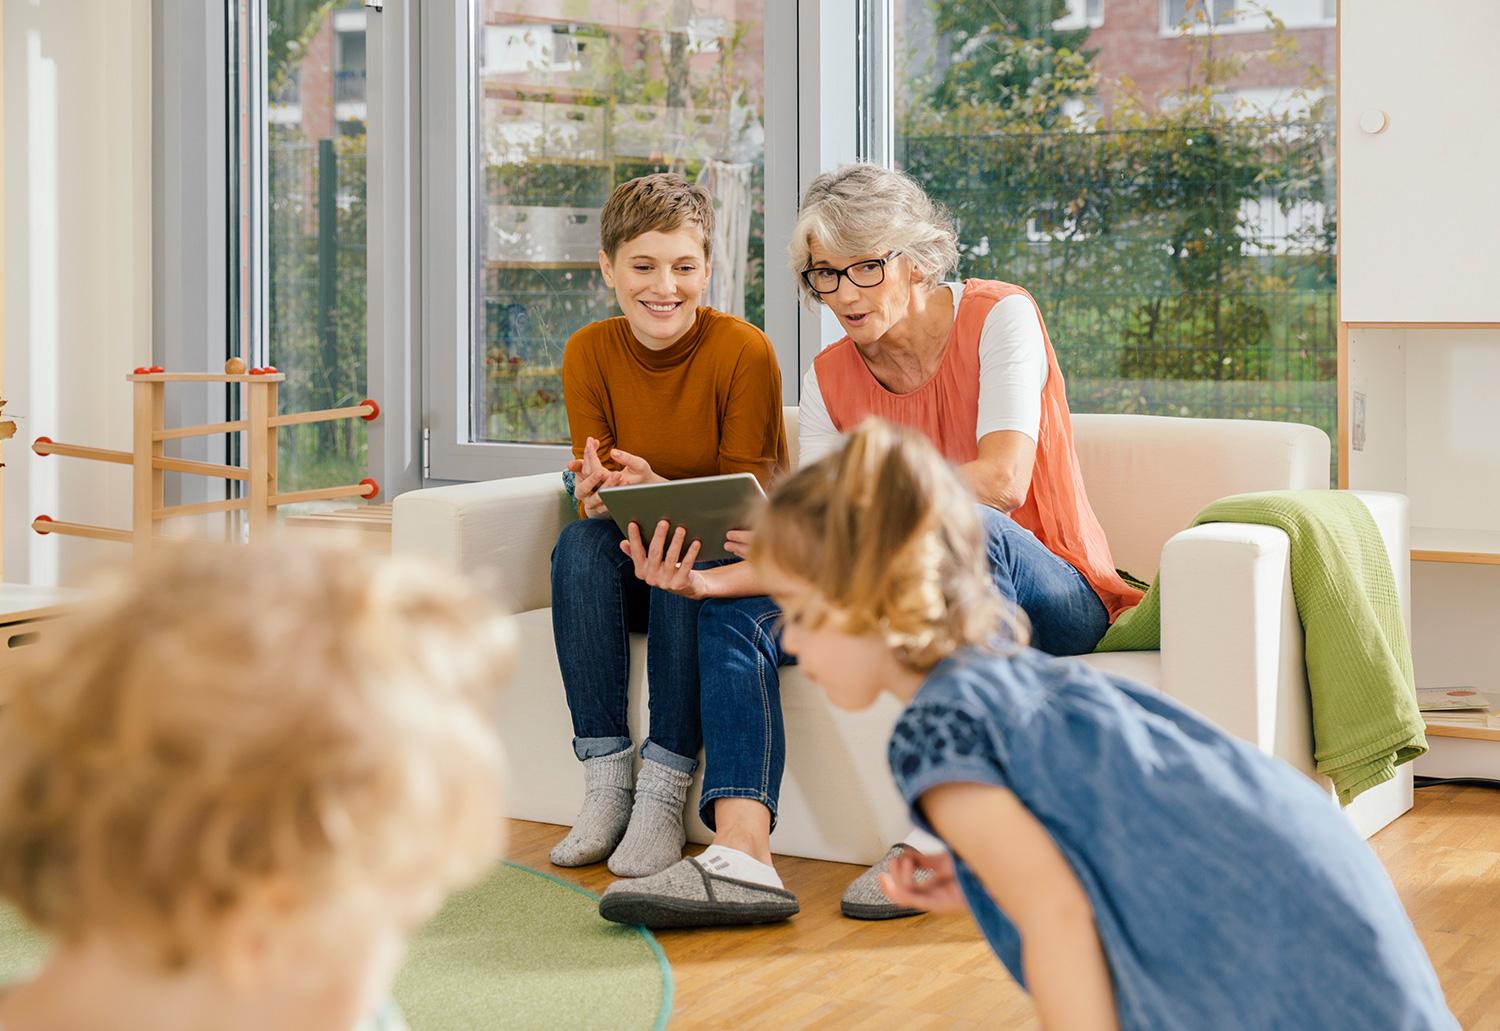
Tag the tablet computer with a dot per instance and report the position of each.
(707, 506)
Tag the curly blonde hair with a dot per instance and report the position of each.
(220, 721)
(887, 534)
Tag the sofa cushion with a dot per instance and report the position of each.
(1148, 476)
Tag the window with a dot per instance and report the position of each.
(568, 110)
(559, 105)
(1245, 15)
(1178, 238)
(315, 236)
(1081, 14)
(1190, 14)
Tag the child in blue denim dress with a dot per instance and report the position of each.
(1132, 865)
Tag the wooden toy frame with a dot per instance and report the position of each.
(149, 462)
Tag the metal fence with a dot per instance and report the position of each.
(1181, 271)
(317, 304)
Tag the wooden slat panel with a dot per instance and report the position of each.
(327, 415)
(199, 431)
(96, 454)
(98, 533)
(186, 465)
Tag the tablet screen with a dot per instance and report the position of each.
(707, 506)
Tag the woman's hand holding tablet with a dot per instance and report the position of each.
(705, 509)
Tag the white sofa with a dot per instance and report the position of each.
(1231, 639)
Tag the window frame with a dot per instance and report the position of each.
(196, 265)
(449, 231)
(393, 272)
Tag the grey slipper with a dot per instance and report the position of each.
(863, 899)
(687, 895)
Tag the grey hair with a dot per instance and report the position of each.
(866, 209)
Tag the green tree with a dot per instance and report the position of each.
(1006, 56)
(1139, 236)
(290, 24)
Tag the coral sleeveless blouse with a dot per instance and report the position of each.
(946, 410)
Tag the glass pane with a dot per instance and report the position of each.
(1181, 12)
(316, 224)
(574, 98)
(1178, 236)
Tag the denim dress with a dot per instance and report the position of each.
(1228, 890)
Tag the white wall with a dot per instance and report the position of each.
(77, 266)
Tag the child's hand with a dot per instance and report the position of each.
(937, 893)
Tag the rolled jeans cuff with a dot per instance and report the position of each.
(706, 803)
(593, 747)
(656, 753)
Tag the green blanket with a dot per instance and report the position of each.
(1364, 707)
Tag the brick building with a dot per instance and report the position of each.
(1141, 41)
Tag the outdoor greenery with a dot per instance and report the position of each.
(318, 315)
(1181, 249)
(698, 105)
(317, 285)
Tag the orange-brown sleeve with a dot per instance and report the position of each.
(752, 435)
(585, 397)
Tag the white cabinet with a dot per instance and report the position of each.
(1419, 204)
(1430, 400)
(1419, 304)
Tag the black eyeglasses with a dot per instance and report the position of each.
(867, 273)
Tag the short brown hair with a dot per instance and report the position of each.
(887, 533)
(221, 720)
(663, 203)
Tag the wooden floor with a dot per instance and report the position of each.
(823, 971)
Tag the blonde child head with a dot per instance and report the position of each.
(250, 730)
(886, 534)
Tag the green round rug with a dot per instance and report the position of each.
(520, 951)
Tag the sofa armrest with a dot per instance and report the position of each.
(500, 528)
(1231, 640)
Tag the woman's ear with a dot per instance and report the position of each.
(607, 267)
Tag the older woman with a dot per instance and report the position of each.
(970, 365)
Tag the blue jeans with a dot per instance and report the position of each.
(739, 650)
(597, 602)
(744, 739)
(1067, 617)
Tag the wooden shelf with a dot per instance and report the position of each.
(1471, 547)
(1452, 730)
(370, 526)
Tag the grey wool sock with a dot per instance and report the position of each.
(656, 836)
(606, 810)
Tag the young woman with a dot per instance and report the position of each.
(667, 390)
